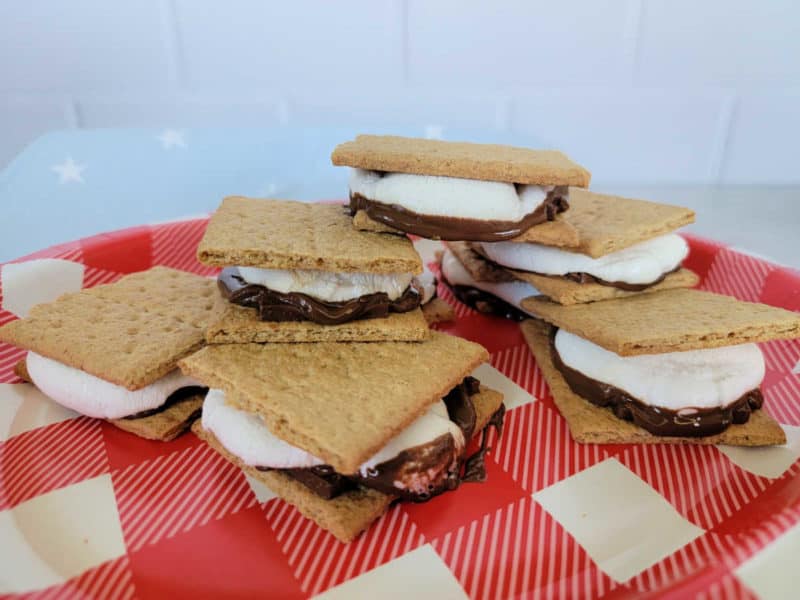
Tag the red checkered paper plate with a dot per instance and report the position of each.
(87, 510)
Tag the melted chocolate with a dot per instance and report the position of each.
(293, 306)
(484, 302)
(689, 422)
(174, 398)
(455, 228)
(439, 460)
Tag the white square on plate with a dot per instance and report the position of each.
(772, 573)
(261, 491)
(54, 537)
(24, 408)
(513, 395)
(419, 574)
(769, 461)
(623, 524)
(36, 281)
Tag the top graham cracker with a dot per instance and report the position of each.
(340, 402)
(282, 234)
(605, 224)
(488, 162)
(130, 333)
(669, 321)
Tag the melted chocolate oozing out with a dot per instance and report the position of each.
(293, 306)
(484, 302)
(454, 228)
(327, 483)
(174, 398)
(700, 422)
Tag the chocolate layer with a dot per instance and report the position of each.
(174, 398)
(440, 461)
(454, 228)
(484, 302)
(293, 306)
(688, 422)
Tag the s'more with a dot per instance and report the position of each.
(343, 430)
(299, 272)
(111, 351)
(624, 247)
(678, 366)
(457, 190)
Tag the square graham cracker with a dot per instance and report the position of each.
(340, 402)
(669, 321)
(163, 426)
(347, 515)
(282, 234)
(235, 324)
(590, 424)
(130, 333)
(605, 224)
(489, 162)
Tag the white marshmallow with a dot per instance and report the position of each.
(708, 378)
(426, 428)
(449, 196)
(427, 282)
(95, 397)
(641, 263)
(248, 437)
(512, 292)
(327, 285)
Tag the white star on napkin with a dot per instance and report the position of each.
(170, 138)
(69, 171)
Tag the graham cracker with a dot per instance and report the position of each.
(669, 321)
(489, 162)
(568, 292)
(164, 426)
(340, 402)
(605, 224)
(130, 333)
(590, 424)
(240, 325)
(559, 229)
(349, 514)
(438, 311)
(282, 234)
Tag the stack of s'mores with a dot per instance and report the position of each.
(326, 383)
(630, 353)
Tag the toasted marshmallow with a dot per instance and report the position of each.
(95, 397)
(327, 285)
(248, 437)
(449, 196)
(641, 263)
(512, 292)
(709, 378)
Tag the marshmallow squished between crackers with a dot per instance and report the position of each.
(111, 351)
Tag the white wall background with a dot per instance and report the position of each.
(642, 91)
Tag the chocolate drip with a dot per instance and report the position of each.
(439, 460)
(475, 465)
(293, 306)
(687, 422)
(455, 228)
(174, 398)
